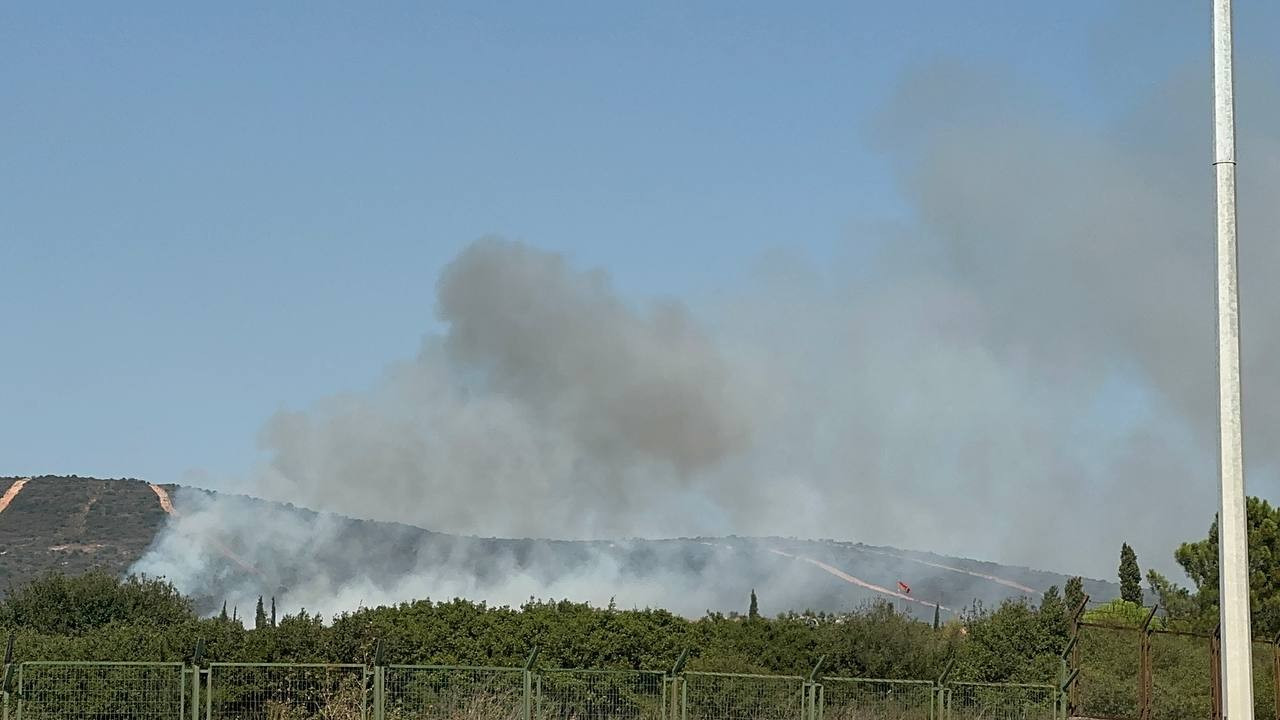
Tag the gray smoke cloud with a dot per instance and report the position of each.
(1022, 371)
(549, 408)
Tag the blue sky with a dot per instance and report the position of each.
(211, 214)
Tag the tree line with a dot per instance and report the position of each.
(100, 617)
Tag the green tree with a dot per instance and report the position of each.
(223, 615)
(1011, 644)
(1053, 614)
(1073, 593)
(260, 615)
(273, 611)
(1200, 561)
(60, 604)
(1130, 575)
(1181, 610)
(753, 612)
(937, 615)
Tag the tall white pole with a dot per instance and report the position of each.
(1233, 547)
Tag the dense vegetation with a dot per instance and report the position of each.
(95, 616)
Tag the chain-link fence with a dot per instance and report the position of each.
(1109, 682)
(870, 699)
(1127, 662)
(103, 691)
(280, 691)
(1266, 666)
(453, 693)
(272, 691)
(1181, 676)
(600, 695)
(1001, 701)
(722, 696)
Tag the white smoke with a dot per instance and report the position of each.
(1022, 372)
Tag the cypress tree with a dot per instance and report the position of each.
(753, 612)
(260, 615)
(1130, 576)
(273, 611)
(937, 615)
(223, 617)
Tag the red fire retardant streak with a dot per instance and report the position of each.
(859, 582)
(992, 578)
(12, 493)
(166, 504)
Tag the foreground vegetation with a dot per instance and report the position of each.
(98, 617)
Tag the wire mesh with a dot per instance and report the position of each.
(1264, 681)
(600, 695)
(869, 699)
(996, 701)
(103, 691)
(716, 696)
(1110, 660)
(1181, 677)
(287, 692)
(453, 693)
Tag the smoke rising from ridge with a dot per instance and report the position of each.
(548, 408)
(1023, 371)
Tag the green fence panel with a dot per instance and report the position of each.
(102, 691)
(871, 699)
(1264, 681)
(1001, 701)
(600, 695)
(723, 696)
(1110, 661)
(1181, 677)
(453, 693)
(269, 691)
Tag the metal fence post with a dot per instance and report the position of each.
(1065, 671)
(1275, 675)
(944, 694)
(684, 700)
(676, 705)
(810, 694)
(1073, 700)
(1063, 692)
(379, 682)
(1145, 680)
(197, 658)
(527, 704)
(1215, 671)
(7, 687)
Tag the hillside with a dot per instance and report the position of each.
(235, 548)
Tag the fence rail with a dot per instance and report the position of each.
(285, 691)
(1124, 662)
(873, 699)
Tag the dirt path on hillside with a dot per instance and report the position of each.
(166, 504)
(12, 492)
(859, 581)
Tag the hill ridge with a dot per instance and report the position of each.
(74, 524)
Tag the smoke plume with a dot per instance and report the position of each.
(1022, 369)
